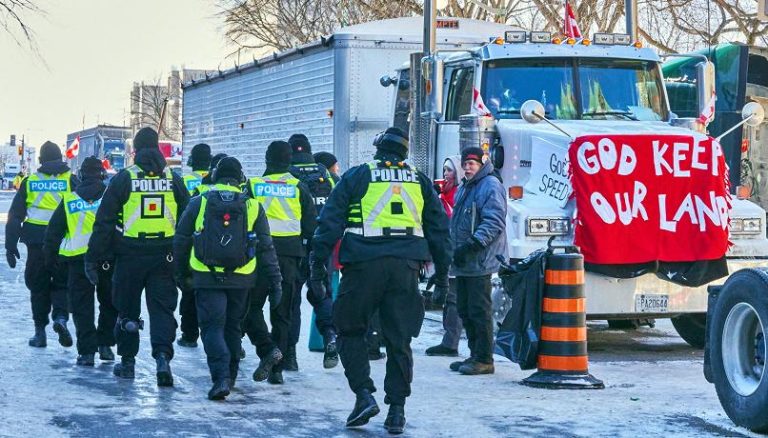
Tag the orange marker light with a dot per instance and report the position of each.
(586, 42)
(743, 192)
(638, 45)
(571, 41)
(516, 192)
(499, 41)
(556, 40)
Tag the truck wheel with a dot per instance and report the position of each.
(738, 348)
(691, 327)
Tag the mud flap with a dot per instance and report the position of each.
(714, 292)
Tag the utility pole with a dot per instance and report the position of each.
(630, 13)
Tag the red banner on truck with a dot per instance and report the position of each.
(643, 198)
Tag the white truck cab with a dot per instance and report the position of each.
(607, 85)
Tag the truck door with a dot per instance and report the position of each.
(460, 80)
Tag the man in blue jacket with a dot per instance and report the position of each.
(479, 235)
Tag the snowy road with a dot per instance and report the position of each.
(654, 387)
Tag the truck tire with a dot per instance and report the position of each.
(692, 328)
(737, 348)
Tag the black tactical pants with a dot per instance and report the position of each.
(188, 312)
(451, 320)
(323, 306)
(81, 301)
(474, 305)
(48, 290)
(256, 326)
(389, 285)
(221, 313)
(154, 274)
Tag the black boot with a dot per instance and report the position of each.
(395, 422)
(454, 366)
(164, 376)
(276, 378)
(106, 354)
(220, 390)
(442, 350)
(125, 369)
(289, 359)
(331, 355)
(475, 368)
(365, 409)
(39, 340)
(187, 341)
(85, 360)
(265, 365)
(60, 327)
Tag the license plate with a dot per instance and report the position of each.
(652, 303)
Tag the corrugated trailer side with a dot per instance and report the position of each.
(242, 112)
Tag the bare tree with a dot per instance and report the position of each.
(147, 103)
(13, 20)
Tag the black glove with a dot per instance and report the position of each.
(92, 272)
(466, 250)
(318, 274)
(275, 296)
(441, 288)
(12, 254)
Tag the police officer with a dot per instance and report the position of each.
(222, 295)
(66, 239)
(292, 219)
(135, 225)
(199, 161)
(31, 209)
(391, 222)
(319, 181)
(206, 183)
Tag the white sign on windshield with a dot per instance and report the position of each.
(549, 171)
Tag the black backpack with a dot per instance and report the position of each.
(225, 240)
(317, 179)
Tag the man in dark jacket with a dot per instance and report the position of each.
(134, 227)
(222, 297)
(330, 162)
(478, 232)
(31, 209)
(320, 183)
(199, 161)
(292, 219)
(66, 241)
(390, 221)
(206, 182)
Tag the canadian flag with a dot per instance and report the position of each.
(74, 148)
(478, 106)
(708, 114)
(571, 27)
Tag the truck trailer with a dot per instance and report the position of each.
(329, 90)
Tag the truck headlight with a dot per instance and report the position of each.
(742, 226)
(548, 226)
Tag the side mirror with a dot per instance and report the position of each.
(497, 156)
(532, 111)
(705, 81)
(432, 74)
(753, 114)
(386, 81)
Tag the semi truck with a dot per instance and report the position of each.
(544, 92)
(106, 142)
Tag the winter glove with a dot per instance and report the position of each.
(463, 252)
(92, 272)
(318, 274)
(12, 254)
(275, 296)
(441, 289)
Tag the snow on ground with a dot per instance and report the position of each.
(654, 387)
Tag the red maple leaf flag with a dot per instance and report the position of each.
(478, 106)
(571, 26)
(74, 148)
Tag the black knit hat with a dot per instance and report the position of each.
(473, 154)
(200, 157)
(92, 168)
(50, 151)
(300, 143)
(327, 159)
(146, 138)
(279, 154)
(215, 160)
(392, 140)
(228, 167)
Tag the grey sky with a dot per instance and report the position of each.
(94, 51)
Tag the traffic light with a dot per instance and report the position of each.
(13, 140)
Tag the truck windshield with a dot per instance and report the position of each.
(576, 89)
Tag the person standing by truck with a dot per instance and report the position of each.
(391, 222)
(66, 239)
(451, 320)
(478, 233)
(31, 210)
(199, 161)
(320, 183)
